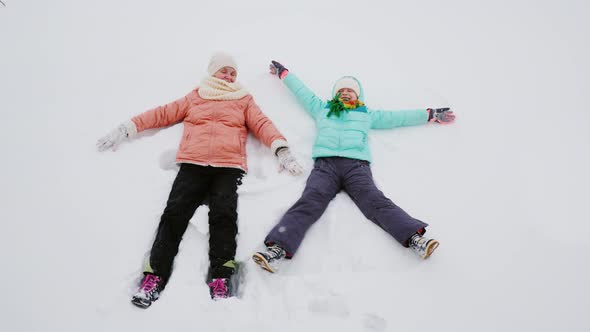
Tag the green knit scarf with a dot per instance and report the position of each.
(336, 106)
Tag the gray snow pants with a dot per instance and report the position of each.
(328, 177)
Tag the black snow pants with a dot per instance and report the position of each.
(192, 186)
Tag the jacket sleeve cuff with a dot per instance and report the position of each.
(131, 129)
(284, 74)
(277, 144)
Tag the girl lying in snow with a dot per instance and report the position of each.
(212, 156)
(342, 162)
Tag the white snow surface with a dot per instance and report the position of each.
(504, 189)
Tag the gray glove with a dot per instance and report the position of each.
(441, 115)
(278, 69)
(288, 162)
(114, 138)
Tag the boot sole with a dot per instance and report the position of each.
(140, 304)
(430, 247)
(260, 260)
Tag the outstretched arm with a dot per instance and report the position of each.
(403, 118)
(392, 119)
(161, 116)
(263, 128)
(304, 95)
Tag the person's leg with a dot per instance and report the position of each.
(322, 186)
(188, 191)
(223, 216)
(359, 184)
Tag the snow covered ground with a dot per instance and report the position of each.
(505, 189)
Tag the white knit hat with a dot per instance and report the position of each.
(347, 82)
(220, 60)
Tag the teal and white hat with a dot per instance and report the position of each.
(349, 82)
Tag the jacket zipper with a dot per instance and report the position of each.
(209, 157)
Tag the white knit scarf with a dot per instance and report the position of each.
(217, 89)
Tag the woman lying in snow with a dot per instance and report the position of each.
(212, 155)
(342, 162)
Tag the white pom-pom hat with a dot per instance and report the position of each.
(220, 60)
(349, 82)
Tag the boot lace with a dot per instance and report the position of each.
(275, 252)
(219, 288)
(149, 283)
(418, 242)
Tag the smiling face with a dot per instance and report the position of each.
(347, 94)
(227, 74)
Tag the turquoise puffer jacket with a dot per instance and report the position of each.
(346, 135)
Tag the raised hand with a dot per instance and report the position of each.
(278, 69)
(441, 115)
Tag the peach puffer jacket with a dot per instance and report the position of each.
(215, 131)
